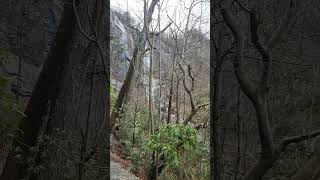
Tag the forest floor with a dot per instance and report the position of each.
(119, 169)
(119, 164)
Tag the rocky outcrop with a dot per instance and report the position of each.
(30, 25)
(27, 28)
(121, 50)
(38, 20)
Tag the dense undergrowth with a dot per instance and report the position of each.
(185, 149)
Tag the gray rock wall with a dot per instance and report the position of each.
(28, 27)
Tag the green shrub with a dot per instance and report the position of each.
(181, 146)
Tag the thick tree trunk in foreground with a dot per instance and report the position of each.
(81, 105)
(216, 161)
(44, 91)
(57, 101)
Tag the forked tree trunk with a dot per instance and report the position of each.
(258, 93)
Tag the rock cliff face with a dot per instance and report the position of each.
(29, 25)
(121, 49)
(27, 28)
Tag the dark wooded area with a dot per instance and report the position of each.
(268, 46)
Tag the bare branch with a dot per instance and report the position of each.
(191, 76)
(79, 24)
(189, 91)
(263, 52)
(203, 105)
(243, 6)
(283, 25)
(296, 139)
(96, 40)
(150, 10)
(162, 31)
(245, 83)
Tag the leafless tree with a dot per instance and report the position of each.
(258, 92)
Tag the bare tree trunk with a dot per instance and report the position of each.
(171, 92)
(136, 110)
(189, 90)
(117, 109)
(177, 100)
(61, 82)
(81, 105)
(159, 47)
(216, 161)
(184, 106)
(258, 93)
(239, 132)
(170, 100)
(151, 120)
(137, 58)
(43, 92)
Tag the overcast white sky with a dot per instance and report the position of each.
(176, 9)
